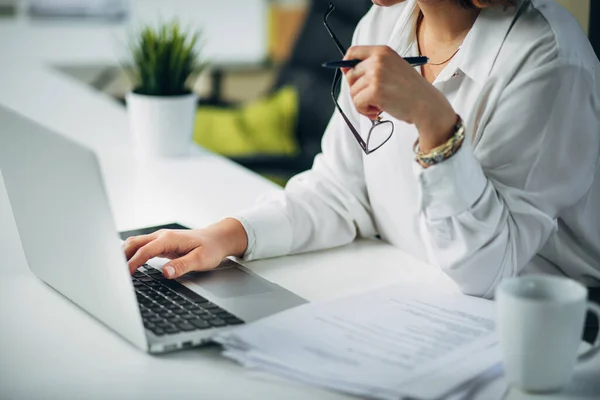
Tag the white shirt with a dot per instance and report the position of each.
(521, 195)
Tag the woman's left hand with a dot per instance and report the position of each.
(384, 81)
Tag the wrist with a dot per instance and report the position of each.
(435, 127)
(444, 151)
(231, 235)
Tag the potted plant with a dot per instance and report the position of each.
(163, 66)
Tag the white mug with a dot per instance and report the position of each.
(540, 321)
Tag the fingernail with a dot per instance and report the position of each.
(169, 271)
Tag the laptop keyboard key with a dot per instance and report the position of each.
(152, 271)
(190, 306)
(170, 294)
(217, 322)
(200, 323)
(184, 291)
(158, 331)
(222, 314)
(233, 321)
(172, 329)
(185, 326)
(209, 306)
(145, 301)
(158, 310)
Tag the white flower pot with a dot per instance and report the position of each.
(161, 126)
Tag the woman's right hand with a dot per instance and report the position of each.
(189, 250)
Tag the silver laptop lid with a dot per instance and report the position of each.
(65, 224)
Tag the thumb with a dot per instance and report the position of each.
(182, 265)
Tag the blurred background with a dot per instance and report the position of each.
(263, 100)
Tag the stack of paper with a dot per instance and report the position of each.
(390, 344)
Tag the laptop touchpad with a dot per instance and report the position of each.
(229, 282)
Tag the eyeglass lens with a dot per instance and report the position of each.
(379, 134)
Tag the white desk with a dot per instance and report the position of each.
(50, 349)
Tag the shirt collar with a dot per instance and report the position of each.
(482, 45)
(403, 34)
(480, 48)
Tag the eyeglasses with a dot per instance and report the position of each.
(381, 130)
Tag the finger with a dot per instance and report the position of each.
(358, 86)
(366, 104)
(133, 243)
(373, 113)
(153, 249)
(195, 260)
(356, 73)
(356, 67)
(361, 52)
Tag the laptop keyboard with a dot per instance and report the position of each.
(168, 307)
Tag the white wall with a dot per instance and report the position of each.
(580, 9)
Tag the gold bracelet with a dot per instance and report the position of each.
(443, 151)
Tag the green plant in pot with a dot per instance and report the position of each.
(164, 63)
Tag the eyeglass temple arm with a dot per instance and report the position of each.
(359, 139)
(330, 9)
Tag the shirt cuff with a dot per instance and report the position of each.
(452, 186)
(268, 230)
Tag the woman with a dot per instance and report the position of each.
(511, 189)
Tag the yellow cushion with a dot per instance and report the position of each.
(264, 126)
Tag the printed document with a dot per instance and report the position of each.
(390, 343)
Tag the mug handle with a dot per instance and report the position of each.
(595, 349)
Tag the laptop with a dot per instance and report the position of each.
(62, 213)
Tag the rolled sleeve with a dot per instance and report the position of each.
(439, 183)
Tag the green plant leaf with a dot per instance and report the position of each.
(164, 60)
